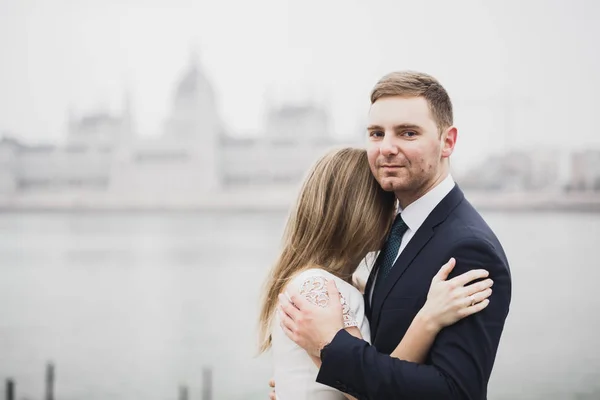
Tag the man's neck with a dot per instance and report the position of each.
(407, 198)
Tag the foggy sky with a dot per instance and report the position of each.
(540, 57)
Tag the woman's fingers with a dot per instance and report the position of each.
(475, 298)
(475, 308)
(480, 296)
(477, 287)
(469, 276)
(444, 271)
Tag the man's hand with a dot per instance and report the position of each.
(272, 394)
(309, 325)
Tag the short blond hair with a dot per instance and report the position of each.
(417, 84)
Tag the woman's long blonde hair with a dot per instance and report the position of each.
(341, 214)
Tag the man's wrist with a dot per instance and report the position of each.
(323, 351)
(326, 344)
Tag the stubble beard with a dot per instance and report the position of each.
(407, 188)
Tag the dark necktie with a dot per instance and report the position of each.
(388, 254)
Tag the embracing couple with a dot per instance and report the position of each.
(427, 324)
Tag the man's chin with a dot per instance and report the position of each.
(391, 185)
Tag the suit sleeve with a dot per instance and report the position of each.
(460, 361)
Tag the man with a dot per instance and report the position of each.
(411, 138)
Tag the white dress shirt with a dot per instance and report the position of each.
(417, 212)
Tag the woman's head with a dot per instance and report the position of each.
(341, 214)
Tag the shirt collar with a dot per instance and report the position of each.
(417, 212)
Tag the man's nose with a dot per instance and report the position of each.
(388, 147)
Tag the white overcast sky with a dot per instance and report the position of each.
(540, 57)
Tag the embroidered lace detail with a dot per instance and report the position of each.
(315, 291)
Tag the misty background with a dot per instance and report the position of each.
(150, 151)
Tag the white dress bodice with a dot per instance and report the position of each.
(294, 372)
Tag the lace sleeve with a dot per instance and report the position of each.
(314, 289)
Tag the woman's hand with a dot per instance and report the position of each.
(448, 301)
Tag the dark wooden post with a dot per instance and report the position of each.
(49, 382)
(207, 384)
(10, 389)
(183, 392)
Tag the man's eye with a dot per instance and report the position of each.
(376, 133)
(410, 133)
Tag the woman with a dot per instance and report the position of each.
(341, 215)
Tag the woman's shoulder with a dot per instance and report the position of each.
(311, 273)
(313, 283)
(316, 276)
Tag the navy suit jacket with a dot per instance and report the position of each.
(460, 361)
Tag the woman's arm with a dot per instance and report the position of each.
(447, 302)
(417, 341)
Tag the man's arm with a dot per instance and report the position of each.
(448, 301)
(355, 332)
(461, 358)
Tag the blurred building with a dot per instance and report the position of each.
(8, 173)
(524, 170)
(106, 161)
(295, 135)
(585, 171)
(181, 163)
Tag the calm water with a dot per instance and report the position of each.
(130, 306)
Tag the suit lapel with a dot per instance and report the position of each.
(418, 241)
(369, 286)
(421, 237)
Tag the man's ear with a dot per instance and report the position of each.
(449, 137)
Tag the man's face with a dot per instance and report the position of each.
(405, 148)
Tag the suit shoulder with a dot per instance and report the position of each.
(466, 223)
(467, 227)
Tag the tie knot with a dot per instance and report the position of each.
(398, 227)
(390, 250)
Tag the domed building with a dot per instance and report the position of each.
(178, 167)
(192, 163)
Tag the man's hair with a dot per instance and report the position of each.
(417, 84)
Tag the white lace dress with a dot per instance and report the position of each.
(294, 371)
